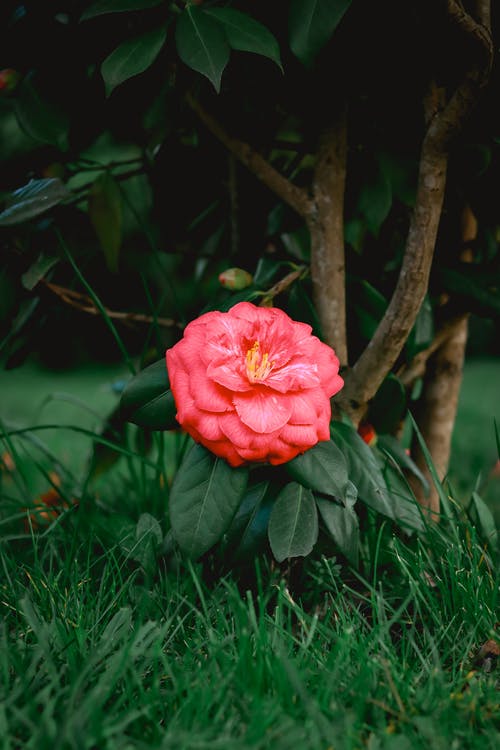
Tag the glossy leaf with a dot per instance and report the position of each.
(375, 199)
(388, 407)
(249, 526)
(366, 474)
(202, 44)
(293, 525)
(132, 57)
(409, 513)
(369, 306)
(391, 445)
(476, 290)
(422, 333)
(38, 270)
(343, 526)
(203, 500)
(322, 468)
(246, 34)
(147, 399)
(33, 199)
(104, 454)
(40, 118)
(311, 24)
(101, 7)
(105, 212)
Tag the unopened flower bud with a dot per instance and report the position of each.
(235, 278)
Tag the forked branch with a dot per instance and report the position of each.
(386, 345)
(290, 193)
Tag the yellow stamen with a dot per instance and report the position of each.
(258, 366)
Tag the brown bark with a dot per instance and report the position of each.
(443, 378)
(376, 361)
(326, 226)
(438, 408)
(323, 214)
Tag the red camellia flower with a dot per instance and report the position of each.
(251, 384)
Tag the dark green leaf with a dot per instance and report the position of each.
(37, 271)
(266, 272)
(147, 399)
(33, 199)
(293, 525)
(409, 512)
(105, 212)
(422, 333)
(300, 307)
(311, 24)
(101, 7)
(203, 500)
(322, 468)
(484, 519)
(343, 526)
(369, 307)
(443, 497)
(246, 34)
(388, 407)
(366, 474)
(201, 44)
(375, 199)
(401, 171)
(249, 526)
(476, 289)
(393, 447)
(132, 57)
(104, 455)
(40, 118)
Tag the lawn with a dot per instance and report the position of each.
(107, 642)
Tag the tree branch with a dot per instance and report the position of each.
(291, 194)
(326, 225)
(84, 303)
(363, 381)
(416, 368)
(438, 408)
(282, 285)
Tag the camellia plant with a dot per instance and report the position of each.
(243, 172)
(252, 388)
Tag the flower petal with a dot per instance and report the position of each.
(263, 410)
(303, 435)
(207, 394)
(296, 375)
(229, 374)
(305, 406)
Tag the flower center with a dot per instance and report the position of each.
(258, 365)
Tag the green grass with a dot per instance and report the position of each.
(474, 449)
(107, 643)
(98, 652)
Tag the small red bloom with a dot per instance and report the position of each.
(367, 432)
(251, 384)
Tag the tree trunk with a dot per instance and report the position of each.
(439, 401)
(438, 409)
(326, 227)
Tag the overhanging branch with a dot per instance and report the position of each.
(375, 362)
(291, 194)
